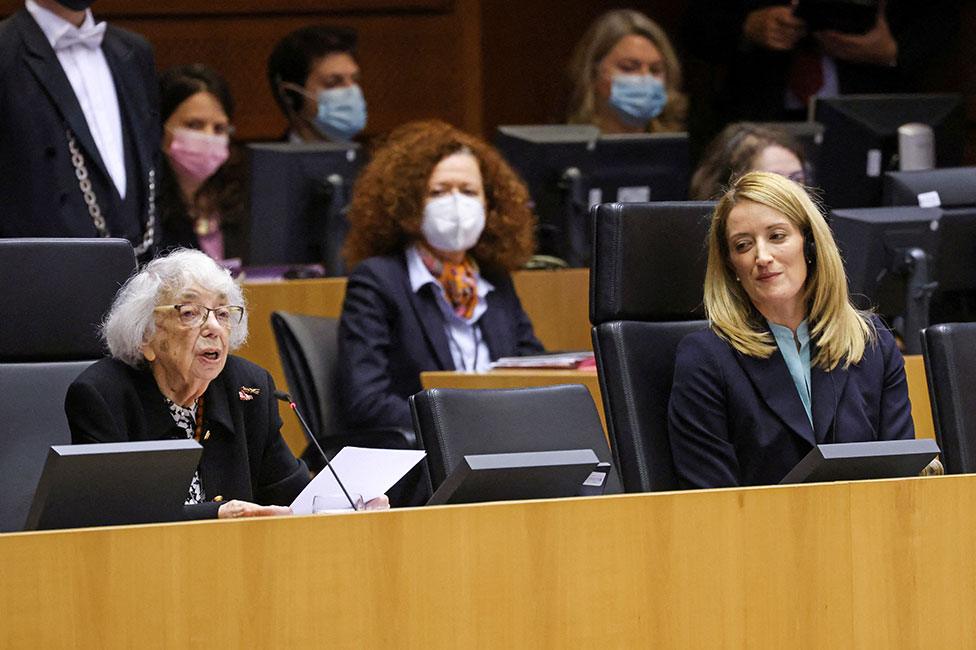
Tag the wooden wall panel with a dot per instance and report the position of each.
(474, 63)
(123, 8)
(403, 58)
(420, 58)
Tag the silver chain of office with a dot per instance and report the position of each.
(85, 185)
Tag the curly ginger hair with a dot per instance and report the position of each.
(388, 198)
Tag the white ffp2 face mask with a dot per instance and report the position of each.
(453, 222)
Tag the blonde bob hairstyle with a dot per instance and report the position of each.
(599, 39)
(839, 331)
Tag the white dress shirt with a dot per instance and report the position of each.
(468, 348)
(92, 81)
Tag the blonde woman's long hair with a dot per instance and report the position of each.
(839, 331)
(599, 39)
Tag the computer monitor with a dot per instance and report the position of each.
(299, 193)
(890, 255)
(860, 140)
(918, 264)
(113, 483)
(953, 187)
(514, 476)
(570, 168)
(855, 461)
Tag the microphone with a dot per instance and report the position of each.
(285, 397)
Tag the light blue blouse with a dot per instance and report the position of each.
(796, 353)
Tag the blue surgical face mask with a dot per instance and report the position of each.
(637, 98)
(341, 112)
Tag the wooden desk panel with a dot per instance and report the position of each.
(852, 565)
(558, 303)
(918, 393)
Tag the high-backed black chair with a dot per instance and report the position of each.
(308, 348)
(455, 422)
(53, 296)
(645, 296)
(950, 369)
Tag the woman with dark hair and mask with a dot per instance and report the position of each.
(626, 77)
(437, 222)
(202, 194)
(314, 77)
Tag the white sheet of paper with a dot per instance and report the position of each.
(369, 472)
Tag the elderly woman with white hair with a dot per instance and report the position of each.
(170, 332)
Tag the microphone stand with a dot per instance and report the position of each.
(285, 397)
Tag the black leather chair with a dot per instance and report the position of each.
(308, 348)
(53, 295)
(645, 296)
(455, 422)
(949, 350)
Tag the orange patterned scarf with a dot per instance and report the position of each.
(460, 281)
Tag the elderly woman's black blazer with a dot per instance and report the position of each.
(244, 457)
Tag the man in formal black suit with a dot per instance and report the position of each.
(79, 126)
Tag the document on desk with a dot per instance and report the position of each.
(368, 472)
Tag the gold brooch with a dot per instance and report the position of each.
(246, 393)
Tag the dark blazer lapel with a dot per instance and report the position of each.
(772, 380)
(44, 65)
(826, 389)
(221, 448)
(133, 103)
(425, 307)
(494, 326)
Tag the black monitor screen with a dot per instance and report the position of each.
(513, 476)
(105, 484)
(871, 239)
(954, 187)
(955, 264)
(860, 140)
(881, 248)
(298, 196)
(569, 169)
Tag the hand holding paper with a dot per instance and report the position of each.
(368, 472)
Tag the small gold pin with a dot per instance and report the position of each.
(206, 436)
(246, 393)
(218, 498)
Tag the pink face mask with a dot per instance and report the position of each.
(196, 154)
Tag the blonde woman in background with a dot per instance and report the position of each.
(626, 77)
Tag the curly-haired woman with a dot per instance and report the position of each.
(437, 222)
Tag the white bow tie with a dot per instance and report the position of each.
(90, 37)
